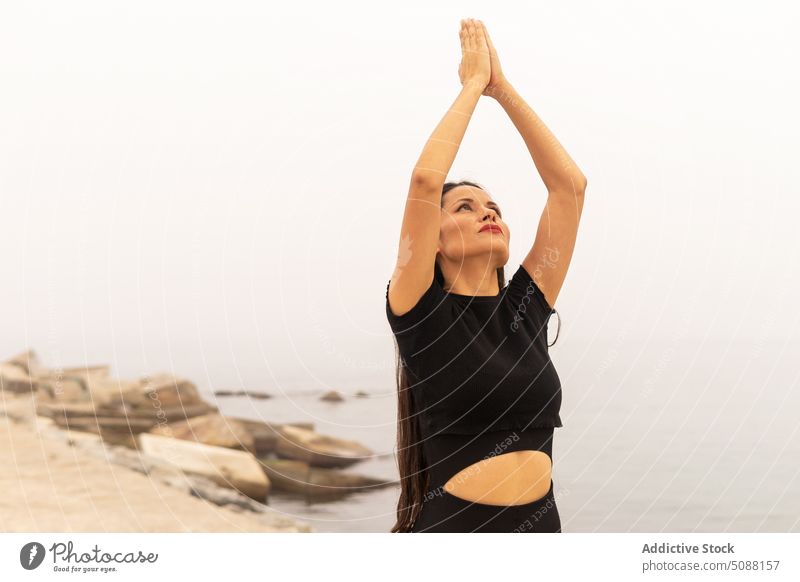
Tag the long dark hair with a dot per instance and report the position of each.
(410, 458)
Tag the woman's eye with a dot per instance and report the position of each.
(466, 204)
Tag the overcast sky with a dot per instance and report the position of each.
(217, 188)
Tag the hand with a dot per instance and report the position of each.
(475, 67)
(497, 79)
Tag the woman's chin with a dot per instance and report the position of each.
(494, 245)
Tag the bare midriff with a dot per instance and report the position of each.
(513, 478)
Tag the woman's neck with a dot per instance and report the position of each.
(470, 277)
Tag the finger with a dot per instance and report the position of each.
(484, 31)
(489, 40)
(462, 36)
(471, 35)
(483, 45)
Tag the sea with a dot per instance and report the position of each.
(690, 436)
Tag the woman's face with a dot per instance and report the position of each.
(467, 215)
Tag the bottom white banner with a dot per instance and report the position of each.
(384, 556)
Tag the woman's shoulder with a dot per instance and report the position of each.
(427, 306)
(523, 292)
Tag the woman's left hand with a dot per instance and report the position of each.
(497, 79)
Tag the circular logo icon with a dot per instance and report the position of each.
(31, 555)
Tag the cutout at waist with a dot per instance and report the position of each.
(447, 455)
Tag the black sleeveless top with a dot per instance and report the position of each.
(479, 363)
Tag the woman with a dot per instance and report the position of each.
(478, 397)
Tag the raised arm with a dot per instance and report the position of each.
(419, 234)
(549, 257)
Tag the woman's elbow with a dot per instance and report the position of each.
(575, 184)
(421, 180)
(580, 183)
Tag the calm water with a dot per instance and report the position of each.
(656, 437)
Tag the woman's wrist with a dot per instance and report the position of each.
(473, 87)
(498, 90)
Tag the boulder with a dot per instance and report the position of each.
(261, 395)
(229, 393)
(332, 396)
(99, 370)
(29, 362)
(25, 373)
(61, 388)
(68, 384)
(95, 423)
(227, 467)
(112, 429)
(66, 410)
(300, 477)
(14, 378)
(161, 398)
(258, 395)
(211, 429)
(153, 417)
(172, 413)
(265, 434)
(109, 407)
(319, 450)
(153, 391)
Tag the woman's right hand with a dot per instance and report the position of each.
(475, 67)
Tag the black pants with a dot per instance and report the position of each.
(446, 513)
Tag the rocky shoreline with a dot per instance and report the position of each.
(159, 429)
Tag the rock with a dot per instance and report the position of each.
(265, 434)
(153, 391)
(94, 423)
(362, 394)
(173, 413)
(159, 398)
(61, 388)
(161, 391)
(211, 429)
(84, 439)
(52, 384)
(227, 467)
(70, 384)
(51, 409)
(144, 419)
(319, 450)
(113, 430)
(332, 396)
(259, 395)
(300, 477)
(229, 393)
(205, 488)
(99, 371)
(232, 499)
(287, 475)
(14, 378)
(28, 362)
(202, 487)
